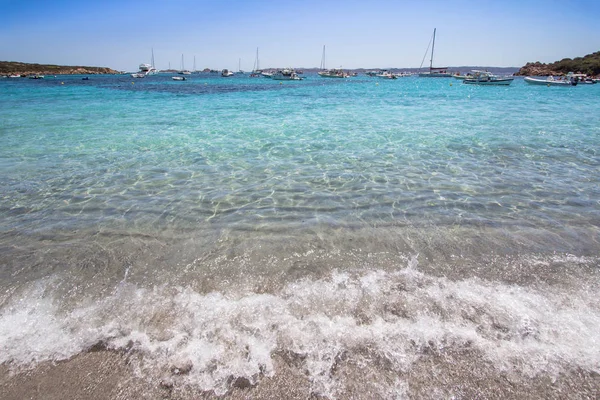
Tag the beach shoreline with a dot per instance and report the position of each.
(105, 374)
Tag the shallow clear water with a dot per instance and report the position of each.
(194, 219)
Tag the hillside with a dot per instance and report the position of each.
(589, 64)
(12, 67)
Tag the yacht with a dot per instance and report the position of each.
(487, 78)
(226, 73)
(287, 74)
(386, 75)
(146, 69)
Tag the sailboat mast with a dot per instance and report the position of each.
(323, 58)
(152, 61)
(432, 47)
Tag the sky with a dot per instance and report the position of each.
(218, 34)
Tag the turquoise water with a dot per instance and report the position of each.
(246, 187)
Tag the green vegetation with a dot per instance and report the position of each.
(12, 67)
(589, 64)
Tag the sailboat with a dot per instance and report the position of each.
(330, 73)
(434, 72)
(256, 71)
(240, 66)
(183, 71)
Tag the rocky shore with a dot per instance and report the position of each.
(24, 69)
(537, 69)
(588, 64)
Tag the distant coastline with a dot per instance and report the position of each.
(20, 68)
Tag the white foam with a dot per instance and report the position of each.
(206, 339)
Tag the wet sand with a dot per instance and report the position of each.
(438, 374)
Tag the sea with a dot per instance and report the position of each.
(247, 238)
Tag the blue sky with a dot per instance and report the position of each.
(370, 34)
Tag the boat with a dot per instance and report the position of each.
(146, 69)
(35, 76)
(226, 73)
(462, 77)
(434, 72)
(178, 78)
(183, 71)
(551, 81)
(287, 74)
(267, 74)
(240, 67)
(386, 75)
(256, 71)
(487, 78)
(330, 73)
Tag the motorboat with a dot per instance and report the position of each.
(267, 74)
(386, 75)
(462, 77)
(147, 69)
(35, 76)
(333, 73)
(178, 78)
(287, 74)
(226, 73)
(434, 72)
(552, 81)
(487, 78)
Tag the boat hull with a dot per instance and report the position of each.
(546, 82)
(435, 75)
(492, 82)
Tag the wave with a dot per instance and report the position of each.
(372, 319)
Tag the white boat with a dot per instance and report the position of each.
(226, 73)
(146, 69)
(386, 75)
(333, 73)
(267, 74)
(178, 78)
(551, 81)
(330, 73)
(434, 72)
(487, 78)
(287, 74)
